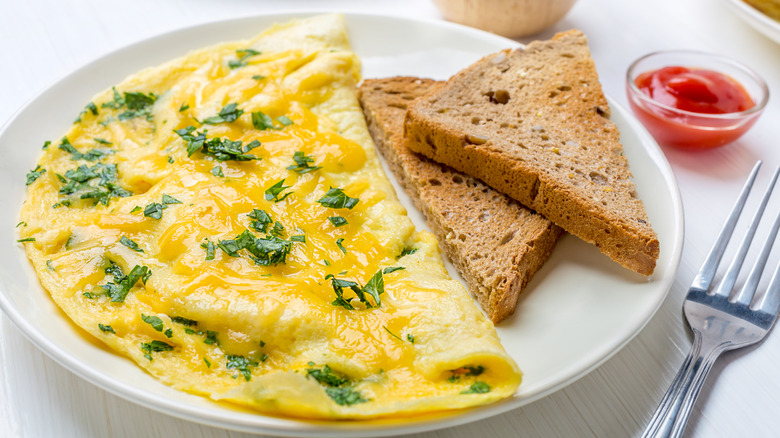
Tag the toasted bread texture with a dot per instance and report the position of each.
(534, 123)
(495, 243)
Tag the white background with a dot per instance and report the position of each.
(42, 40)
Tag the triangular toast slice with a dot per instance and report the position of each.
(534, 123)
(495, 243)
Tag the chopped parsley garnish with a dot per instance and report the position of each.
(478, 387)
(102, 141)
(46, 145)
(211, 337)
(261, 220)
(326, 376)
(410, 338)
(339, 244)
(153, 321)
(208, 364)
(264, 251)
(336, 198)
(184, 321)
(50, 266)
(90, 107)
(391, 333)
(222, 149)
(391, 269)
(154, 210)
(168, 200)
(27, 239)
(217, 171)
(106, 328)
(241, 364)
(170, 159)
(258, 77)
(210, 249)
(337, 221)
(262, 121)
(35, 174)
(374, 288)
(277, 230)
(137, 104)
(407, 251)
(229, 113)
(345, 396)
(337, 386)
(243, 55)
(98, 182)
(184, 107)
(124, 240)
(122, 284)
(21, 224)
(298, 238)
(155, 346)
(273, 192)
(302, 163)
(92, 155)
(135, 209)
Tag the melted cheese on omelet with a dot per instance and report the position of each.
(223, 221)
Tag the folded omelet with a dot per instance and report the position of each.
(223, 221)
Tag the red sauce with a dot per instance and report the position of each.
(695, 90)
(700, 92)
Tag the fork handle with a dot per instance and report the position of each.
(672, 414)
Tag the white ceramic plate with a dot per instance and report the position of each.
(579, 309)
(757, 19)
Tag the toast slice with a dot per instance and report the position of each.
(495, 243)
(534, 123)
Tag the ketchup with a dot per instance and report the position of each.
(695, 90)
(708, 100)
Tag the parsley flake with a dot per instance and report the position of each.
(272, 193)
(92, 155)
(337, 221)
(124, 240)
(241, 364)
(122, 284)
(229, 113)
(391, 269)
(35, 174)
(155, 346)
(217, 171)
(222, 149)
(243, 55)
(341, 247)
(302, 163)
(478, 387)
(153, 321)
(262, 121)
(106, 328)
(336, 198)
(154, 210)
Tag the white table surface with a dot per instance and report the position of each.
(42, 40)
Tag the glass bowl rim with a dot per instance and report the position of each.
(757, 108)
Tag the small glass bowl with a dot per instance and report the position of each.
(686, 129)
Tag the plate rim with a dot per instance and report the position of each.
(757, 20)
(297, 427)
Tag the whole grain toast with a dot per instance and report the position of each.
(495, 243)
(534, 123)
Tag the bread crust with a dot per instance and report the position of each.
(534, 123)
(494, 242)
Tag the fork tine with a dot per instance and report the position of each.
(748, 290)
(770, 301)
(703, 279)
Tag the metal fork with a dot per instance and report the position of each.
(721, 319)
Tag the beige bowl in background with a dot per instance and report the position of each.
(510, 18)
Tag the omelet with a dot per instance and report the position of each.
(223, 221)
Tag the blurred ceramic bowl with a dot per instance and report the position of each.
(510, 18)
